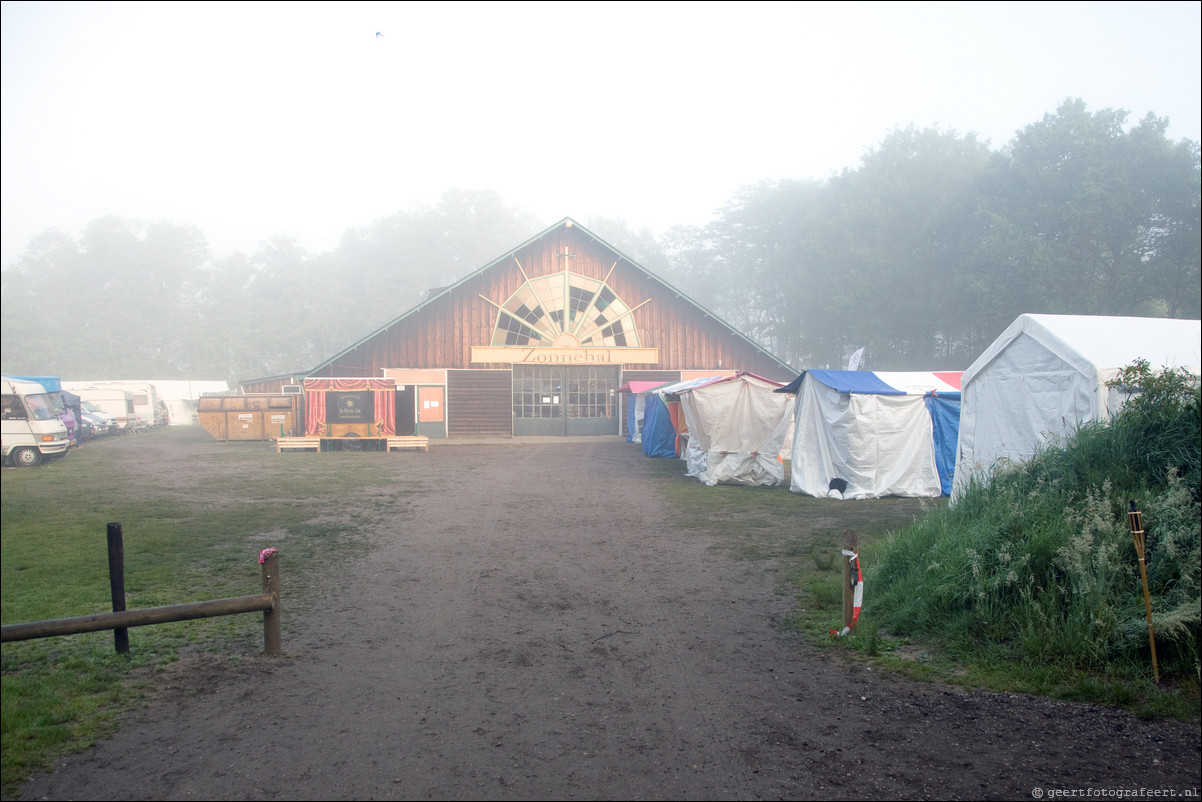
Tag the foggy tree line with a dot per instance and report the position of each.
(934, 244)
(922, 254)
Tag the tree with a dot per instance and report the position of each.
(1103, 215)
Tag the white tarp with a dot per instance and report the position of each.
(1046, 375)
(736, 427)
(870, 433)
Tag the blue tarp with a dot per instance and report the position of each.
(855, 381)
(945, 423)
(635, 406)
(659, 435)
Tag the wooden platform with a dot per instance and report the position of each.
(297, 443)
(415, 441)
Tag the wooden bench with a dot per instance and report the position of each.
(415, 441)
(290, 443)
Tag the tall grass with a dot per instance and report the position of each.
(1038, 565)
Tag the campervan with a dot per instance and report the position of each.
(145, 398)
(66, 404)
(31, 429)
(117, 402)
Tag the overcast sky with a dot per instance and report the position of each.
(254, 120)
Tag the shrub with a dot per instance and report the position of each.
(1039, 562)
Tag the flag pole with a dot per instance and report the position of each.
(1135, 520)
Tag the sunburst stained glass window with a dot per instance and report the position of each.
(562, 307)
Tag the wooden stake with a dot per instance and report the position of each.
(272, 638)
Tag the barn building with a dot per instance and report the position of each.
(539, 342)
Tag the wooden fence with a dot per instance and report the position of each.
(121, 619)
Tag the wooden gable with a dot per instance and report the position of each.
(442, 332)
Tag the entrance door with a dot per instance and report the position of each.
(554, 400)
(406, 401)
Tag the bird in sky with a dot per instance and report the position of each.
(379, 35)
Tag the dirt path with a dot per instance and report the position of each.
(519, 635)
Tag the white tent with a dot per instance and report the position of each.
(1046, 375)
(736, 425)
(662, 417)
(859, 434)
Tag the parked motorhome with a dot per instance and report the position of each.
(31, 429)
(117, 402)
(145, 398)
(66, 404)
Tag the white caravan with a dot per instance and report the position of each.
(116, 402)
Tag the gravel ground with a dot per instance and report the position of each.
(529, 630)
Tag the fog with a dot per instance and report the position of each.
(254, 120)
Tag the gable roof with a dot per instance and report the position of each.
(742, 376)
(567, 222)
(1092, 343)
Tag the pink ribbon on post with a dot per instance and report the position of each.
(265, 553)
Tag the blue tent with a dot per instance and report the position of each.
(636, 407)
(659, 430)
(659, 435)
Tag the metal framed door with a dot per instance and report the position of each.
(592, 402)
(555, 400)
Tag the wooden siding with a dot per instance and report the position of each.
(664, 376)
(479, 403)
(441, 333)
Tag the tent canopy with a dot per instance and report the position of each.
(661, 415)
(863, 434)
(1093, 344)
(737, 426)
(1046, 375)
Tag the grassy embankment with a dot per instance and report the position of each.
(1032, 583)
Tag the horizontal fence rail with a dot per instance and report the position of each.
(139, 618)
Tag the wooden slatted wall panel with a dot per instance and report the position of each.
(442, 333)
(479, 403)
(664, 376)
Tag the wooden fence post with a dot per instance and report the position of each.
(117, 584)
(272, 639)
(849, 544)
